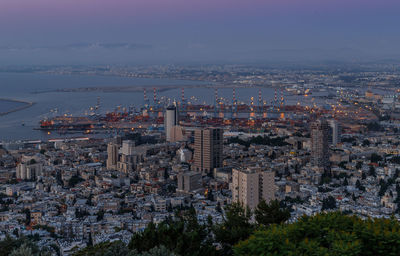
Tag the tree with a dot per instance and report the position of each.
(359, 186)
(342, 164)
(89, 200)
(328, 203)
(74, 180)
(23, 250)
(218, 207)
(117, 248)
(100, 215)
(235, 227)
(326, 234)
(345, 182)
(375, 158)
(363, 176)
(27, 216)
(366, 143)
(90, 240)
(182, 235)
(372, 171)
(21, 247)
(267, 214)
(158, 251)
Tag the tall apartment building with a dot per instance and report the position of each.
(112, 156)
(251, 185)
(208, 149)
(320, 143)
(334, 132)
(128, 159)
(29, 168)
(128, 147)
(171, 119)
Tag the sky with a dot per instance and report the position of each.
(197, 31)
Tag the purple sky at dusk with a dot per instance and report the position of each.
(141, 31)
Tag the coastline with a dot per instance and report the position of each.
(27, 104)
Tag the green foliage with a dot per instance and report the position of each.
(183, 236)
(267, 214)
(100, 215)
(23, 250)
(342, 164)
(27, 216)
(328, 203)
(374, 127)
(366, 143)
(117, 248)
(21, 247)
(45, 227)
(74, 180)
(359, 186)
(235, 227)
(372, 171)
(348, 139)
(384, 186)
(326, 234)
(375, 158)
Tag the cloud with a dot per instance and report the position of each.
(80, 46)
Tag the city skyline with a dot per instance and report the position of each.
(188, 127)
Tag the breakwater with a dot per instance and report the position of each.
(24, 105)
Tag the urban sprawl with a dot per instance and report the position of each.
(334, 147)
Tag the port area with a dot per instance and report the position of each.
(242, 117)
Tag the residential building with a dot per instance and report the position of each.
(251, 185)
(189, 181)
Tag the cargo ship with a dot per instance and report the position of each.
(70, 123)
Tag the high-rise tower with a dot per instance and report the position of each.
(171, 119)
(208, 147)
(320, 143)
(334, 132)
(112, 156)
